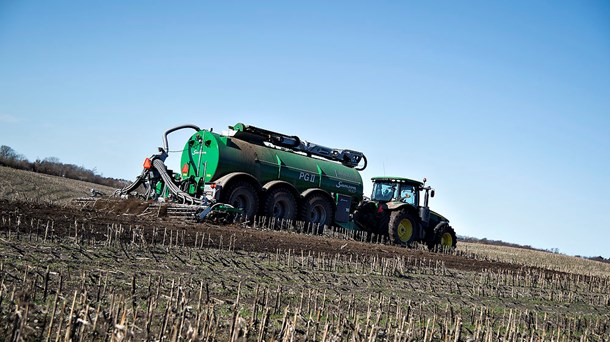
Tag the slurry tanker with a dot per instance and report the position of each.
(253, 171)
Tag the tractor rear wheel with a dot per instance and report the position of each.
(402, 228)
(241, 194)
(281, 204)
(444, 237)
(318, 211)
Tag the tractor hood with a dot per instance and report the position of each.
(437, 217)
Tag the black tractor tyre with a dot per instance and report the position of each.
(316, 210)
(280, 203)
(443, 237)
(402, 228)
(241, 194)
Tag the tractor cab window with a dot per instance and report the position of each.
(408, 194)
(383, 191)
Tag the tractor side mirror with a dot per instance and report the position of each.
(432, 193)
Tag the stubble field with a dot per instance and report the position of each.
(71, 273)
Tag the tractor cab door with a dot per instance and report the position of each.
(383, 191)
(408, 194)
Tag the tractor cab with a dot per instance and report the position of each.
(397, 189)
(394, 192)
(388, 189)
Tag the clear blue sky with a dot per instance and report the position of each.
(503, 106)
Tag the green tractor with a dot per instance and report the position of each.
(395, 209)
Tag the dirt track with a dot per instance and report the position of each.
(244, 238)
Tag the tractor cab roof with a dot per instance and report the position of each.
(400, 180)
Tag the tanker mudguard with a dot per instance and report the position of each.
(227, 178)
(314, 190)
(274, 183)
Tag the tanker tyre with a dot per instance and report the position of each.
(317, 210)
(243, 195)
(443, 237)
(402, 228)
(280, 203)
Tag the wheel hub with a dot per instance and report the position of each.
(317, 214)
(446, 240)
(405, 230)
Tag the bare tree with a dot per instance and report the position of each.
(7, 153)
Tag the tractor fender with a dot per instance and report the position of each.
(438, 216)
(397, 205)
(226, 179)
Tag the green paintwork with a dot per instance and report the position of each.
(438, 216)
(221, 155)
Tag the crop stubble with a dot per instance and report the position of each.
(81, 275)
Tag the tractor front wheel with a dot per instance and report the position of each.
(402, 228)
(443, 237)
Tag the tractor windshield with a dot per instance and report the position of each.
(387, 191)
(383, 191)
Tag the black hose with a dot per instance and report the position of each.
(165, 144)
(173, 188)
(133, 186)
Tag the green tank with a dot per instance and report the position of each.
(277, 181)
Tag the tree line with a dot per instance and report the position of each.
(52, 166)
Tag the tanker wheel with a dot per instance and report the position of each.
(242, 195)
(402, 228)
(280, 203)
(443, 236)
(317, 210)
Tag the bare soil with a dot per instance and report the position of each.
(126, 212)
